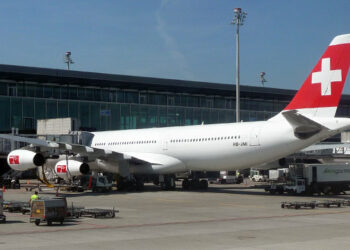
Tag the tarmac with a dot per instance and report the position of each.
(223, 217)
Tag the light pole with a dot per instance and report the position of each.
(67, 59)
(238, 20)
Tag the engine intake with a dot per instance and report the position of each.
(22, 160)
(68, 168)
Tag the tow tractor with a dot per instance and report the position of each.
(98, 183)
(296, 186)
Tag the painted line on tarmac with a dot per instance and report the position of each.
(93, 226)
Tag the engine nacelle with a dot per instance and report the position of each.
(69, 168)
(22, 160)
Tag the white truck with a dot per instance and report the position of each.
(278, 174)
(257, 175)
(327, 178)
(314, 178)
(229, 177)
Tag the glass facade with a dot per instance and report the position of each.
(97, 108)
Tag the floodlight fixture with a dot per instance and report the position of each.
(67, 59)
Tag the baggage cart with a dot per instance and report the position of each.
(330, 203)
(49, 210)
(99, 212)
(74, 212)
(297, 204)
(16, 206)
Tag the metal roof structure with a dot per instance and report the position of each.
(72, 77)
(103, 80)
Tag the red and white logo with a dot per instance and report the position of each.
(61, 169)
(14, 159)
(326, 76)
(324, 85)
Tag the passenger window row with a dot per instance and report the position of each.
(205, 139)
(125, 143)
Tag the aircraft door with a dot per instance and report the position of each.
(254, 138)
(165, 145)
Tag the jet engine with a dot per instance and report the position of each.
(22, 160)
(68, 168)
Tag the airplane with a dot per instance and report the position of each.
(309, 118)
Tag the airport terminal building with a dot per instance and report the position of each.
(112, 102)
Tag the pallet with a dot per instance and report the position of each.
(16, 206)
(330, 203)
(313, 204)
(298, 205)
(99, 212)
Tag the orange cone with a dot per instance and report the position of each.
(3, 189)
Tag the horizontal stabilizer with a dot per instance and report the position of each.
(303, 126)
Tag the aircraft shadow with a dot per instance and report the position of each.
(240, 190)
(14, 221)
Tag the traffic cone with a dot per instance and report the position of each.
(3, 189)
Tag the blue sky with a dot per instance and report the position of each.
(179, 39)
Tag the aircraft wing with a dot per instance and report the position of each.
(84, 151)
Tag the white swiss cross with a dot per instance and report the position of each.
(326, 76)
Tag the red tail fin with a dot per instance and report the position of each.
(322, 89)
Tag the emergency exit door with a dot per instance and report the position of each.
(254, 138)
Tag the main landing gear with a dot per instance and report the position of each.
(167, 182)
(130, 184)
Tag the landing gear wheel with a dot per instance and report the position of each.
(139, 184)
(185, 184)
(169, 183)
(203, 184)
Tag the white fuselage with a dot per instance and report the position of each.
(215, 147)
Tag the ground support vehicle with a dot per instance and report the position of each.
(327, 178)
(95, 183)
(275, 188)
(49, 210)
(315, 178)
(278, 175)
(258, 175)
(2, 216)
(230, 179)
(296, 186)
(99, 212)
(297, 204)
